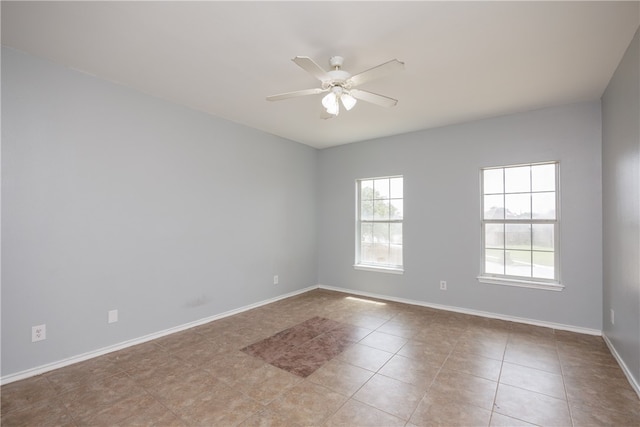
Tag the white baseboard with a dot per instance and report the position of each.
(122, 345)
(490, 315)
(623, 366)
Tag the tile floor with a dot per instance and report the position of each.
(327, 359)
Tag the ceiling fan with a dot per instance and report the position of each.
(340, 86)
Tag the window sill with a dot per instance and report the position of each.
(521, 283)
(378, 269)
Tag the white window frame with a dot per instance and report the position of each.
(521, 281)
(368, 266)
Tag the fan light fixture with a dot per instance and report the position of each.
(331, 104)
(340, 86)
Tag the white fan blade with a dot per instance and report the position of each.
(295, 94)
(311, 67)
(376, 72)
(374, 98)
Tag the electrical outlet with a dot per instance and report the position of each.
(443, 285)
(112, 316)
(613, 317)
(38, 333)
(276, 280)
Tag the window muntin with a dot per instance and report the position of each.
(379, 223)
(520, 223)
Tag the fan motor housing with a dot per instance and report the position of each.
(336, 61)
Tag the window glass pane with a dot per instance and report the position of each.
(492, 181)
(380, 253)
(518, 236)
(395, 209)
(381, 210)
(517, 180)
(366, 243)
(543, 265)
(366, 210)
(518, 263)
(517, 206)
(494, 207)
(395, 255)
(543, 205)
(397, 188)
(543, 238)
(381, 201)
(366, 190)
(366, 233)
(381, 233)
(395, 233)
(494, 261)
(543, 177)
(494, 235)
(381, 188)
(367, 253)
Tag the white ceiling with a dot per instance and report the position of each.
(463, 60)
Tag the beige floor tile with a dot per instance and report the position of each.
(410, 371)
(583, 357)
(467, 389)
(532, 407)
(266, 383)
(440, 337)
(341, 377)
(391, 396)
(178, 388)
(365, 357)
(354, 413)
(385, 342)
(269, 418)
(589, 341)
(308, 403)
(42, 414)
(406, 329)
(362, 320)
(533, 379)
(426, 352)
(159, 371)
(179, 340)
(200, 353)
(599, 393)
(473, 364)
(499, 420)
(24, 393)
(122, 409)
(587, 416)
(85, 402)
(229, 367)
(155, 414)
(81, 373)
(534, 340)
(487, 347)
(219, 405)
(445, 412)
(538, 357)
(137, 356)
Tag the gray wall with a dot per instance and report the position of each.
(112, 199)
(621, 213)
(441, 169)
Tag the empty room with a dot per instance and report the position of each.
(320, 213)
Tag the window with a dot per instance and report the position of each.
(520, 225)
(379, 224)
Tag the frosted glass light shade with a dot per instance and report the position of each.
(348, 101)
(330, 102)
